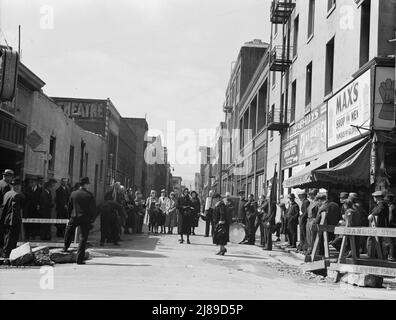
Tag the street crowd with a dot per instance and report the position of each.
(124, 211)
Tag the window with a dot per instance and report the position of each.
(293, 102)
(241, 134)
(295, 37)
(329, 67)
(330, 5)
(253, 116)
(262, 105)
(52, 149)
(273, 78)
(365, 32)
(71, 161)
(247, 132)
(311, 18)
(308, 88)
(275, 30)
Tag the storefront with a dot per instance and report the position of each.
(361, 140)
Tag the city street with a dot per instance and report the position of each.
(158, 267)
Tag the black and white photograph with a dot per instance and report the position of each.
(212, 152)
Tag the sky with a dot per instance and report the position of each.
(167, 60)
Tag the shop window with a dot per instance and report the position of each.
(262, 104)
(253, 117)
(329, 67)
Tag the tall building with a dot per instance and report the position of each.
(140, 127)
(126, 155)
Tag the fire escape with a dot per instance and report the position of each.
(280, 60)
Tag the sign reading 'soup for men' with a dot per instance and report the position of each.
(350, 107)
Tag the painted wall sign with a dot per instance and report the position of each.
(349, 107)
(87, 110)
(384, 98)
(308, 138)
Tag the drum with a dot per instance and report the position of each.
(237, 233)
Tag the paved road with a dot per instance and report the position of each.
(158, 267)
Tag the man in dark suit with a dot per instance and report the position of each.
(302, 222)
(33, 192)
(8, 175)
(82, 211)
(292, 214)
(45, 206)
(12, 217)
(251, 214)
(62, 199)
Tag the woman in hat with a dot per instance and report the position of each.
(222, 223)
(185, 218)
(196, 203)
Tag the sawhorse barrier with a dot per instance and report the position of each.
(313, 261)
(355, 264)
(48, 221)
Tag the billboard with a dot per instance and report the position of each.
(349, 109)
(85, 109)
(384, 98)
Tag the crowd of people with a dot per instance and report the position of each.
(124, 211)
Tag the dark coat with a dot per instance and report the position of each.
(62, 200)
(196, 203)
(269, 215)
(82, 204)
(241, 211)
(221, 234)
(251, 209)
(109, 211)
(381, 211)
(45, 204)
(304, 209)
(32, 202)
(392, 215)
(12, 210)
(4, 188)
(292, 215)
(333, 215)
(185, 217)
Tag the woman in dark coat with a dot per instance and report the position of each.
(222, 222)
(185, 218)
(196, 203)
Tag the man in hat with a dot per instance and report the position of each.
(61, 200)
(82, 211)
(163, 201)
(378, 217)
(5, 186)
(343, 198)
(362, 213)
(333, 217)
(209, 205)
(46, 204)
(12, 214)
(312, 211)
(390, 200)
(33, 192)
(292, 214)
(302, 221)
(251, 213)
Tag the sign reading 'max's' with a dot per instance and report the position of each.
(349, 109)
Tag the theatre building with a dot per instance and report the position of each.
(331, 95)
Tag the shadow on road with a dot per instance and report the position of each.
(128, 253)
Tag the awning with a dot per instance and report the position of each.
(354, 170)
(306, 178)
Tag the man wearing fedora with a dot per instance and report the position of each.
(390, 200)
(82, 211)
(292, 214)
(5, 186)
(302, 221)
(12, 216)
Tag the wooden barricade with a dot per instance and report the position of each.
(355, 264)
(48, 221)
(313, 261)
